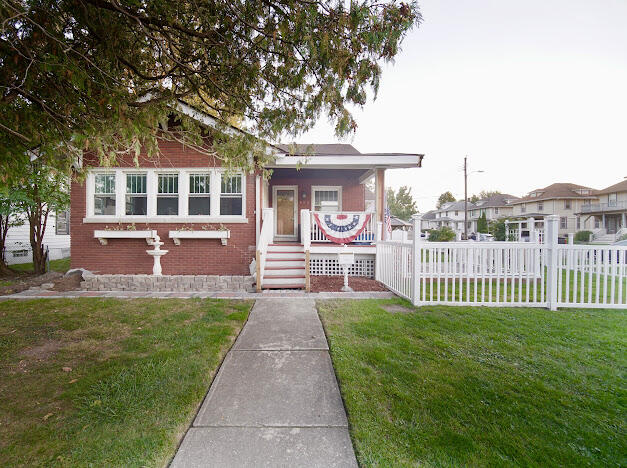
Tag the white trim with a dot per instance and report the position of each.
(104, 235)
(335, 248)
(176, 236)
(327, 188)
(346, 161)
(151, 194)
(274, 207)
(257, 208)
(166, 219)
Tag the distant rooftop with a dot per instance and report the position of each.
(334, 149)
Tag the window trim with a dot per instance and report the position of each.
(151, 189)
(221, 194)
(323, 188)
(66, 216)
(168, 195)
(91, 199)
(190, 195)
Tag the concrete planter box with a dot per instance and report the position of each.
(223, 235)
(104, 235)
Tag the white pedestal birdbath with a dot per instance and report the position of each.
(346, 259)
(157, 253)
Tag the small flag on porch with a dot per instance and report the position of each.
(342, 228)
(388, 223)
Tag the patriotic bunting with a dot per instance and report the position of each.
(341, 228)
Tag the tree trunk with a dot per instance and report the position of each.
(37, 221)
(4, 227)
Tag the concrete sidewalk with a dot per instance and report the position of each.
(275, 401)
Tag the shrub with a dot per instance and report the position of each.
(444, 234)
(582, 237)
(482, 223)
(497, 229)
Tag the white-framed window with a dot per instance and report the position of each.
(540, 206)
(104, 194)
(231, 195)
(567, 204)
(326, 198)
(62, 223)
(167, 194)
(523, 208)
(199, 198)
(578, 222)
(612, 199)
(496, 210)
(563, 222)
(597, 223)
(136, 194)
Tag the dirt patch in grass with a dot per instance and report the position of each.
(69, 282)
(335, 283)
(42, 351)
(396, 309)
(22, 281)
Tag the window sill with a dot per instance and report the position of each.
(166, 219)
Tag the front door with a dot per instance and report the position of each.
(285, 203)
(612, 224)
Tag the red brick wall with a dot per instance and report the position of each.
(192, 257)
(353, 193)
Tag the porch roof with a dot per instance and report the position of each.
(349, 161)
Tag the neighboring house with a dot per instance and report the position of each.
(428, 220)
(56, 239)
(495, 207)
(398, 224)
(607, 214)
(451, 214)
(210, 221)
(565, 200)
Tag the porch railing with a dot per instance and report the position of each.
(600, 207)
(265, 238)
(368, 235)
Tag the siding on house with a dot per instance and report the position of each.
(18, 241)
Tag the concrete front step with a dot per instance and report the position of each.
(285, 263)
(281, 280)
(285, 255)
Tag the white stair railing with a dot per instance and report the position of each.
(265, 238)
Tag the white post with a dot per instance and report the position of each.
(378, 240)
(305, 229)
(415, 276)
(531, 226)
(551, 228)
(571, 238)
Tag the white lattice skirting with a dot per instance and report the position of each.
(328, 265)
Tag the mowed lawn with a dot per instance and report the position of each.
(106, 382)
(471, 386)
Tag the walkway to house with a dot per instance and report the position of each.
(275, 400)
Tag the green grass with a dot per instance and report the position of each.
(471, 386)
(139, 370)
(61, 265)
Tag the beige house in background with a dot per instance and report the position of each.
(565, 200)
(495, 207)
(608, 212)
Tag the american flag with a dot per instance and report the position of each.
(388, 220)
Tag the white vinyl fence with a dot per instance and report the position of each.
(505, 273)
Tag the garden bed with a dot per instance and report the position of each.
(335, 283)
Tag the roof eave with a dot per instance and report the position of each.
(361, 161)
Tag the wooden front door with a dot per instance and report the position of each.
(612, 224)
(285, 203)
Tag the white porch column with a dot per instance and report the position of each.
(379, 196)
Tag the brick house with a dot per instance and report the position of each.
(212, 222)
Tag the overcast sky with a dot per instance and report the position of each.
(534, 92)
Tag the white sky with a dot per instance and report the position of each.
(534, 92)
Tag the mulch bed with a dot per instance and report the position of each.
(335, 283)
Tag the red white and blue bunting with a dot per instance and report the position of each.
(342, 228)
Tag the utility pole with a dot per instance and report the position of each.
(465, 198)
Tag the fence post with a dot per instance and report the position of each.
(379, 251)
(551, 227)
(531, 227)
(415, 256)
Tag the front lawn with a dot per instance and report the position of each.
(473, 386)
(106, 382)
